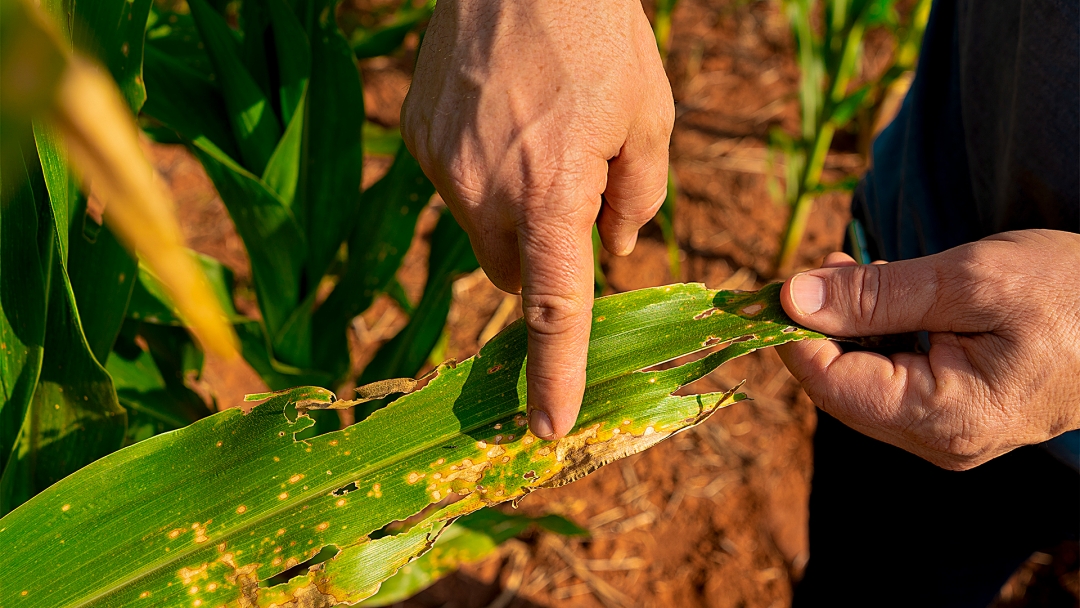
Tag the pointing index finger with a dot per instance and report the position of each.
(556, 293)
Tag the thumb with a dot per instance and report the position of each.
(556, 298)
(937, 293)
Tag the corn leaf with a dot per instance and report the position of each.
(469, 539)
(293, 57)
(261, 217)
(390, 209)
(27, 245)
(187, 102)
(283, 168)
(113, 32)
(73, 417)
(102, 275)
(333, 153)
(274, 239)
(251, 116)
(207, 512)
(51, 427)
(61, 194)
(386, 39)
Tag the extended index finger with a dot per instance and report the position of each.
(557, 298)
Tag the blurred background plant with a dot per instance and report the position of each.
(66, 279)
(829, 36)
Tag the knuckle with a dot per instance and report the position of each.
(866, 288)
(555, 314)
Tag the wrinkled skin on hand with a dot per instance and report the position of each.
(532, 119)
(1003, 371)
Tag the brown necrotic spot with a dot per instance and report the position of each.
(753, 309)
(706, 314)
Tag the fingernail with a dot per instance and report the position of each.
(540, 424)
(808, 293)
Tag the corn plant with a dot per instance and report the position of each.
(829, 61)
(210, 513)
(289, 173)
(65, 279)
(96, 354)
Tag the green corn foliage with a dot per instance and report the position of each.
(212, 511)
(94, 355)
(829, 60)
(472, 538)
(294, 192)
(64, 279)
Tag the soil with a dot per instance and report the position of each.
(716, 516)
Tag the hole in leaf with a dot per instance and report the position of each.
(301, 569)
(706, 313)
(345, 489)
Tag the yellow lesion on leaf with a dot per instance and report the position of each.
(191, 575)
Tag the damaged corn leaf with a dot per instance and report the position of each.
(470, 539)
(207, 514)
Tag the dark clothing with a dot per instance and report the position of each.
(987, 140)
(888, 528)
(988, 137)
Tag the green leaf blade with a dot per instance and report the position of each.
(251, 115)
(233, 499)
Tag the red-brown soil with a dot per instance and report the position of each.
(716, 516)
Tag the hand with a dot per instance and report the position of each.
(531, 118)
(1004, 364)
